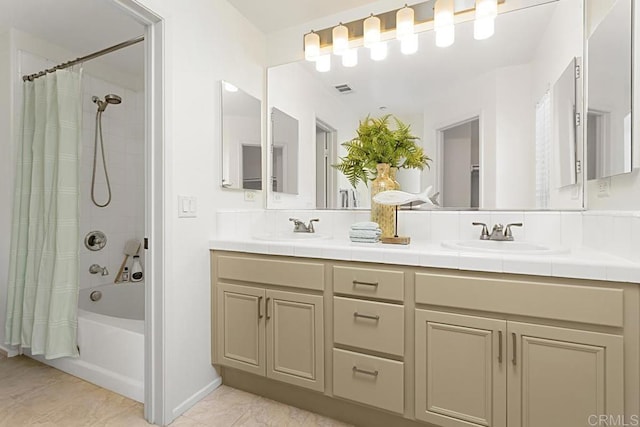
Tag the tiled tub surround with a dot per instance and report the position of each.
(603, 245)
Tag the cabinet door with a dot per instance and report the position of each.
(563, 377)
(460, 370)
(240, 329)
(295, 339)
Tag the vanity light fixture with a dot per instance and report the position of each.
(484, 24)
(323, 63)
(371, 28)
(340, 39)
(311, 46)
(404, 24)
(443, 23)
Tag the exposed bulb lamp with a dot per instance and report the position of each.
(443, 23)
(371, 29)
(379, 51)
(484, 24)
(409, 44)
(311, 46)
(404, 23)
(340, 37)
(350, 58)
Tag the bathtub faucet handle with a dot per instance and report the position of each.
(95, 269)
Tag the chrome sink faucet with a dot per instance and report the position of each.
(499, 231)
(300, 227)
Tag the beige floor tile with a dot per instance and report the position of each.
(315, 420)
(188, 422)
(131, 417)
(266, 412)
(222, 407)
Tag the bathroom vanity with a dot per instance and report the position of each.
(392, 344)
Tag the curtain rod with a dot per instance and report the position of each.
(94, 55)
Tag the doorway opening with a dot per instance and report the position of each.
(460, 164)
(325, 174)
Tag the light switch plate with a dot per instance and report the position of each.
(187, 207)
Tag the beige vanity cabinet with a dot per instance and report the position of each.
(492, 371)
(270, 332)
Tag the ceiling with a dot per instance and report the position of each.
(273, 15)
(80, 26)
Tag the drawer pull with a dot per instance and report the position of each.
(259, 307)
(364, 371)
(358, 282)
(499, 346)
(514, 360)
(366, 316)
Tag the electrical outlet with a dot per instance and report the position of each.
(250, 196)
(604, 187)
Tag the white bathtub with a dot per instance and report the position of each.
(111, 340)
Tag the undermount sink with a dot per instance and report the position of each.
(290, 236)
(505, 247)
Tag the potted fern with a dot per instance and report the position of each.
(381, 143)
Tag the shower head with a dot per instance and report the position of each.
(108, 99)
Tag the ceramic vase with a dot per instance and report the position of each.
(392, 174)
(383, 215)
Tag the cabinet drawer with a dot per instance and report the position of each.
(585, 304)
(371, 325)
(376, 283)
(367, 379)
(297, 274)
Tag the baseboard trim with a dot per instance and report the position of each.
(8, 352)
(196, 397)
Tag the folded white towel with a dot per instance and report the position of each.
(365, 225)
(365, 234)
(363, 240)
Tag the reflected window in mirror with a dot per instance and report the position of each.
(241, 139)
(609, 53)
(495, 81)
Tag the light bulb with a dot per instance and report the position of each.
(340, 35)
(404, 23)
(445, 36)
(379, 51)
(486, 8)
(311, 46)
(323, 63)
(350, 57)
(483, 28)
(371, 31)
(409, 44)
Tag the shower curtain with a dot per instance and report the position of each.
(43, 271)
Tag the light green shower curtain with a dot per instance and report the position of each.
(42, 296)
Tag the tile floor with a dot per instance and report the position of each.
(33, 394)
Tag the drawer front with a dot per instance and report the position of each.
(368, 282)
(367, 379)
(585, 304)
(370, 325)
(297, 274)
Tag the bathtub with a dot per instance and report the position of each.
(111, 340)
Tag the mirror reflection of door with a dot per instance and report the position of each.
(461, 165)
(284, 152)
(325, 137)
(278, 159)
(251, 167)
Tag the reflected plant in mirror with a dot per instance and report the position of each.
(241, 139)
(483, 110)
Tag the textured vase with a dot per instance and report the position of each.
(383, 215)
(392, 174)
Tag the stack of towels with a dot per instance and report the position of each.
(365, 232)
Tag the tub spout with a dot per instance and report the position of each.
(95, 269)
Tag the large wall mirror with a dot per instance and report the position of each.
(609, 87)
(497, 116)
(241, 139)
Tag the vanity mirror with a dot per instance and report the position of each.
(507, 153)
(241, 139)
(609, 87)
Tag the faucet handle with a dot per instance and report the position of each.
(507, 231)
(484, 234)
(310, 227)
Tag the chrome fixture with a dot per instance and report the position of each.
(300, 227)
(95, 269)
(499, 231)
(95, 240)
(95, 296)
(102, 105)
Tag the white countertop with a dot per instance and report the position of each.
(580, 263)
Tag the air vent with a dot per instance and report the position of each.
(344, 88)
